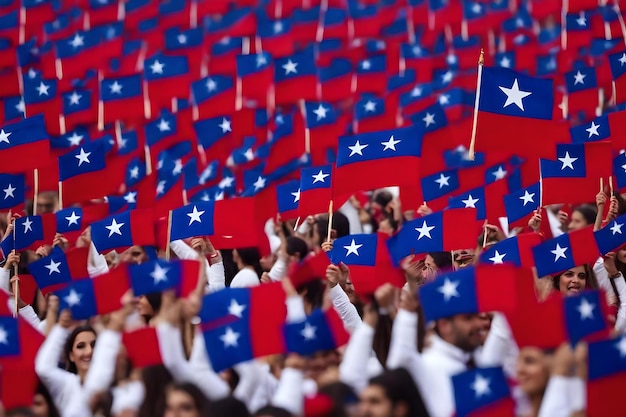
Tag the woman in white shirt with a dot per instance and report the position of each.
(250, 271)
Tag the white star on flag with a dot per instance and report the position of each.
(390, 144)
(225, 125)
(28, 223)
(444, 99)
(159, 274)
(182, 39)
(353, 248)
(416, 92)
(470, 202)
(499, 173)
(622, 59)
(621, 346)
(582, 20)
(83, 157)
(8, 192)
(370, 106)
(42, 89)
(157, 67)
(259, 183)
(308, 332)
(424, 230)
(514, 95)
(320, 112)
(296, 196)
(559, 252)
(211, 85)
(481, 386)
(230, 338)
(4, 136)
(75, 139)
(585, 308)
(443, 180)
(429, 119)
(163, 126)
(72, 219)
(449, 289)
(319, 177)
(53, 267)
(527, 197)
(592, 130)
(236, 309)
(567, 161)
(505, 62)
(366, 65)
(75, 98)
(77, 41)
(114, 228)
(130, 197)
(4, 336)
(357, 148)
(72, 299)
(194, 216)
(616, 228)
(497, 258)
(116, 88)
(160, 189)
(579, 78)
(290, 67)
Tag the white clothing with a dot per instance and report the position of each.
(245, 278)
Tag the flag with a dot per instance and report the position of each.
(482, 392)
(160, 275)
(11, 343)
(618, 69)
(311, 268)
(583, 98)
(124, 230)
(315, 190)
(566, 251)
(240, 324)
(470, 290)
(192, 220)
(487, 200)
(516, 250)
(60, 268)
(607, 372)
(87, 158)
(393, 154)
(320, 331)
(295, 77)
(586, 315)
(611, 237)
(442, 231)
(12, 191)
(368, 259)
(522, 203)
(25, 137)
(34, 231)
(143, 347)
(288, 196)
(90, 297)
(122, 99)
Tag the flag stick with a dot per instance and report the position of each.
(169, 236)
(485, 234)
(598, 223)
(60, 195)
(295, 227)
(330, 220)
(481, 61)
(611, 184)
(36, 190)
(16, 284)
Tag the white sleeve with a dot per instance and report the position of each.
(30, 316)
(289, 395)
(265, 390)
(99, 266)
(46, 363)
(216, 277)
(403, 351)
(556, 399)
(170, 343)
(295, 309)
(353, 370)
(620, 322)
(603, 277)
(250, 375)
(347, 310)
(183, 250)
(5, 277)
(279, 269)
(128, 397)
(500, 348)
(102, 369)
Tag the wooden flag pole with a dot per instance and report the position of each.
(169, 236)
(295, 226)
(481, 61)
(36, 190)
(330, 220)
(485, 234)
(16, 284)
(598, 223)
(60, 195)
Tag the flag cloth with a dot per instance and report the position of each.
(516, 250)
(60, 268)
(566, 251)
(192, 220)
(482, 392)
(159, 275)
(607, 372)
(124, 230)
(315, 190)
(142, 347)
(321, 331)
(25, 137)
(611, 237)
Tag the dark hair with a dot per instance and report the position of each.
(621, 203)
(400, 387)
(382, 198)
(393, 223)
(313, 292)
(69, 345)
(443, 260)
(155, 379)
(199, 400)
(588, 212)
(295, 245)
(251, 257)
(228, 406)
(341, 395)
(43, 391)
(341, 226)
(20, 412)
(590, 283)
(272, 411)
(154, 299)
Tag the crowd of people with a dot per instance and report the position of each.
(395, 364)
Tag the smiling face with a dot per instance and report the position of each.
(533, 372)
(82, 350)
(577, 221)
(573, 281)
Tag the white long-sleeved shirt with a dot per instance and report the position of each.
(215, 273)
(25, 312)
(563, 396)
(359, 363)
(347, 311)
(68, 394)
(620, 286)
(245, 278)
(97, 264)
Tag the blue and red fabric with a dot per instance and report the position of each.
(583, 95)
(160, 275)
(487, 200)
(12, 192)
(122, 99)
(193, 220)
(618, 69)
(124, 230)
(611, 237)
(167, 77)
(34, 231)
(60, 268)
(320, 331)
(213, 95)
(295, 77)
(336, 80)
(288, 196)
(315, 190)
(240, 324)
(607, 372)
(482, 392)
(516, 250)
(255, 72)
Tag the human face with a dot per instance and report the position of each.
(577, 221)
(134, 255)
(144, 308)
(532, 371)
(621, 255)
(573, 281)
(40, 406)
(385, 227)
(82, 350)
(46, 204)
(465, 331)
(180, 404)
(374, 402)
(429, 272)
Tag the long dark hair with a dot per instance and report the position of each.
(69, 345)
(200, 402)
(155, 379)
(399, 387)
(251, 257)
(43, 391)
(591, 283)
